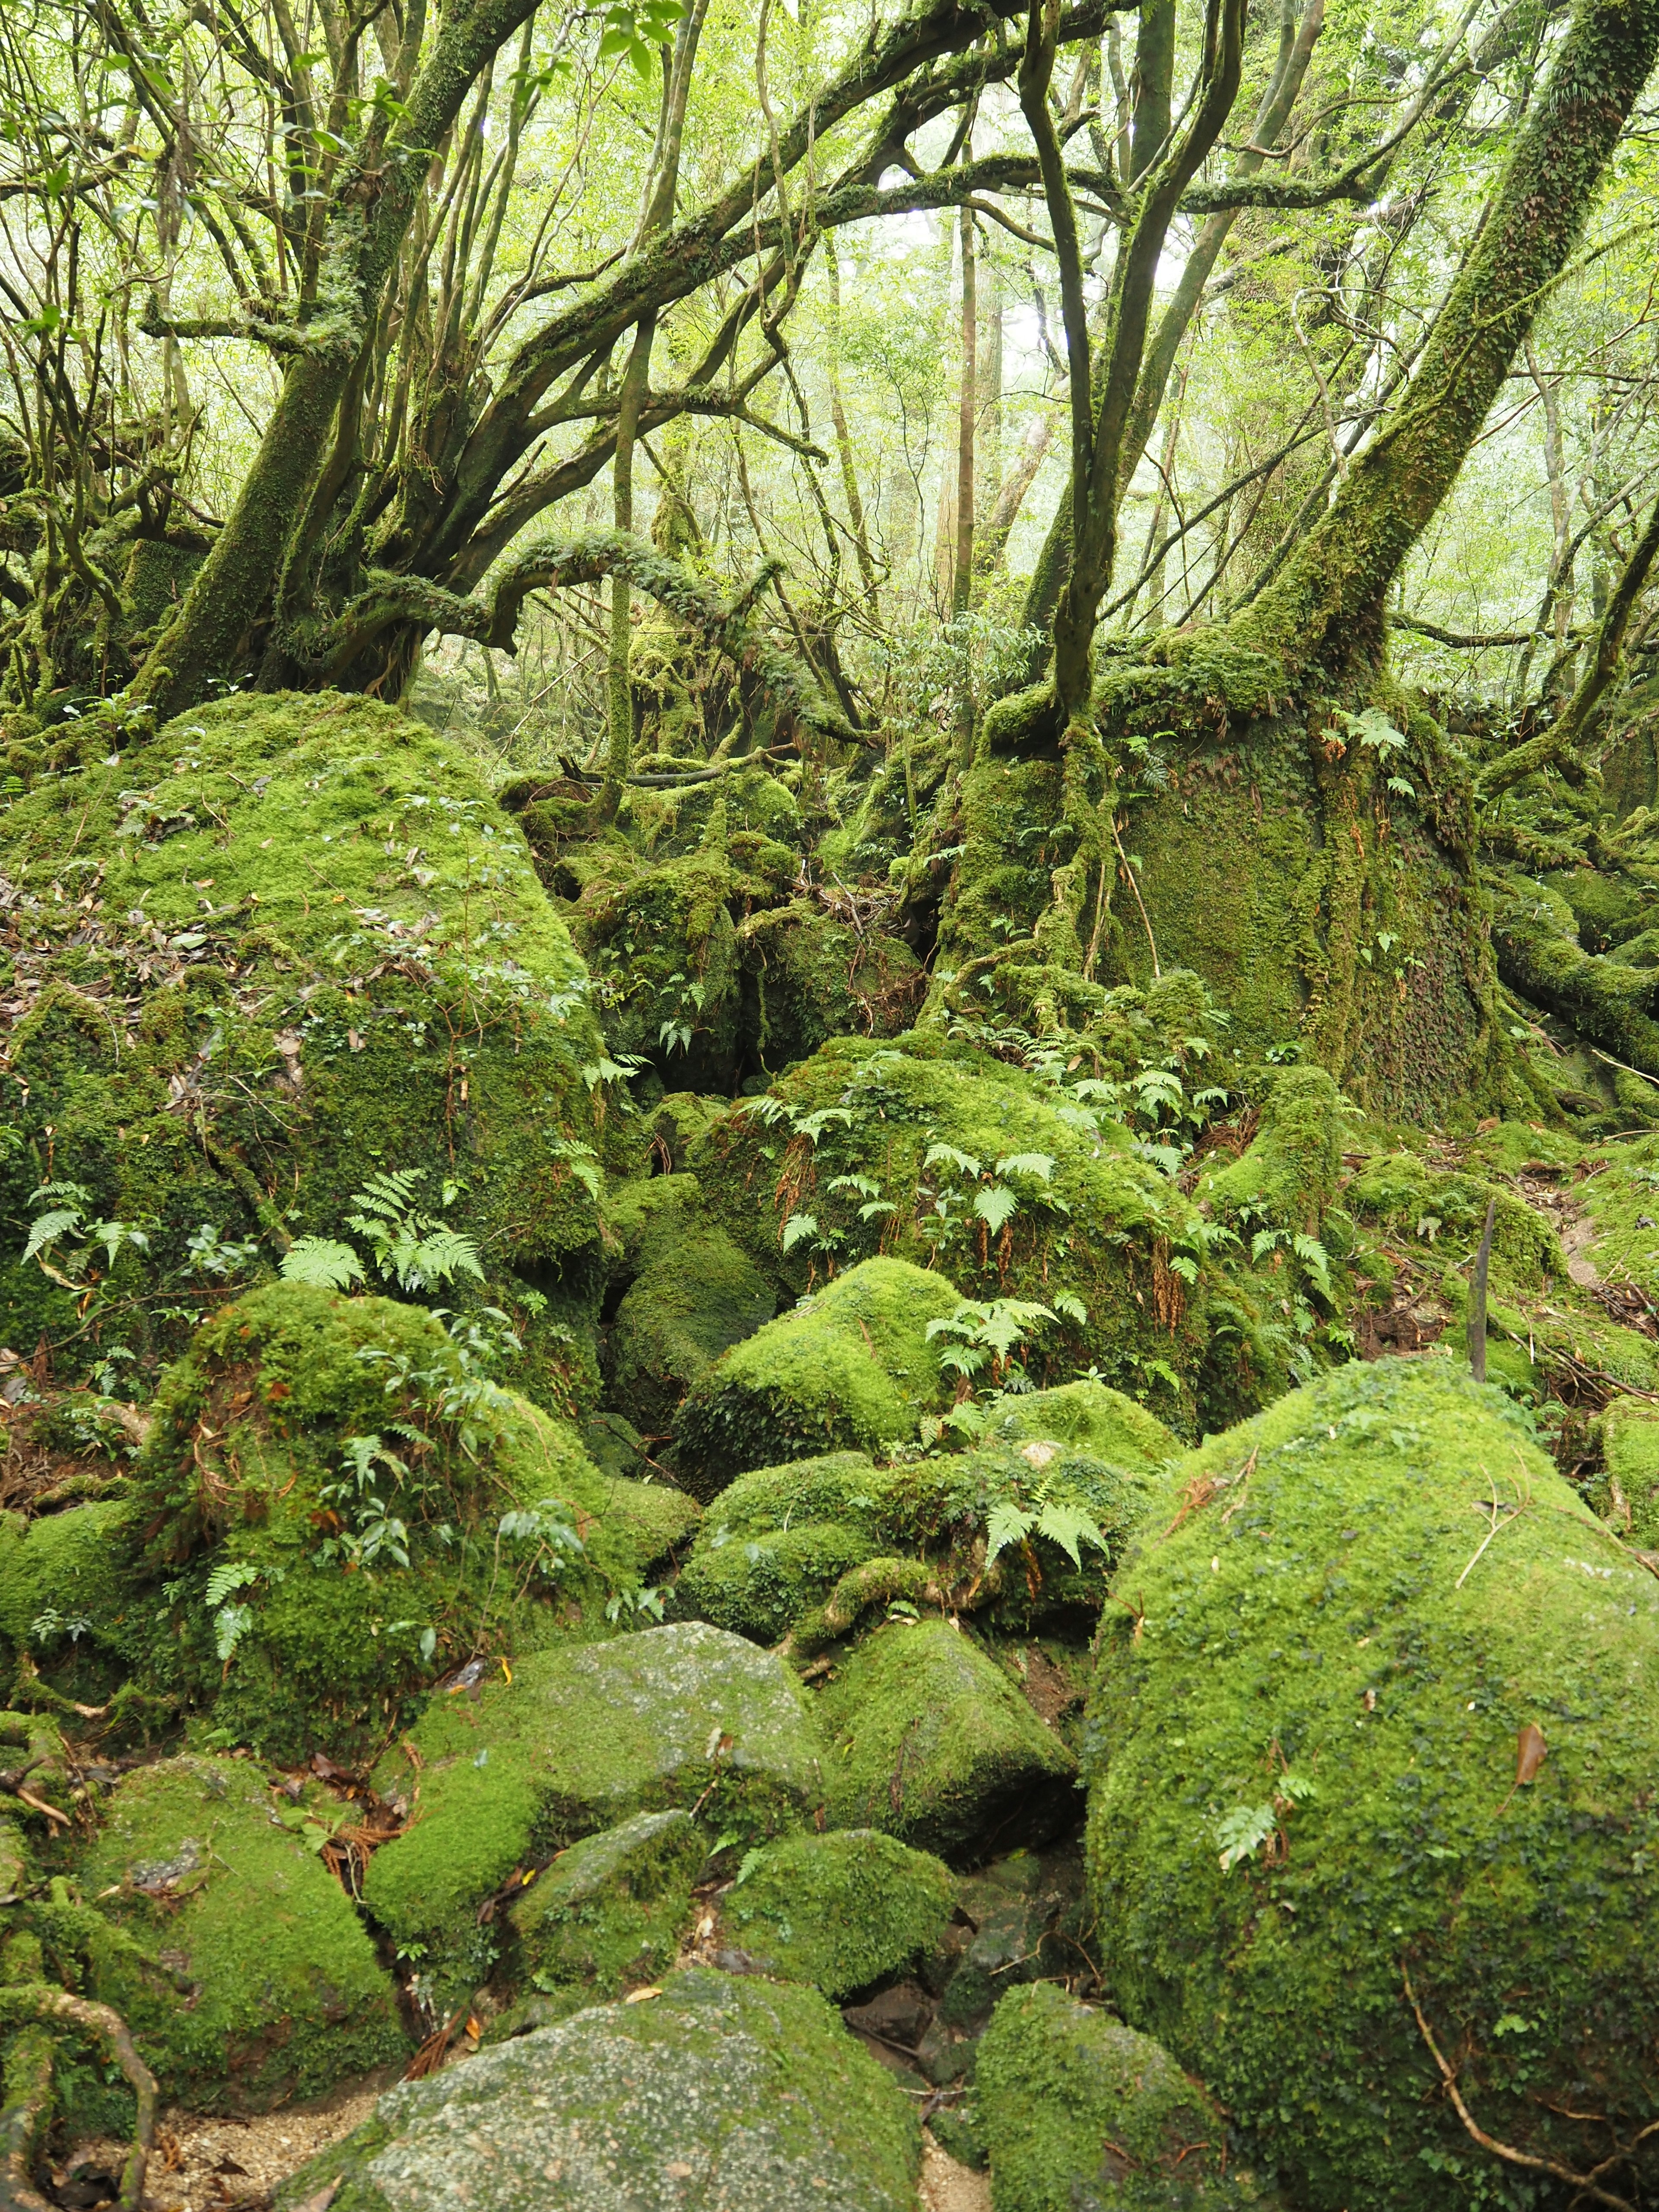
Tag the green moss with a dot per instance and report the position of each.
(1289, 1174)
(1078, 2112)
(578, 1739)
(841, 1911)
(779, 1539)
(282, 1995)
(690, 1295)
(255, 1426)
(667, 981)
(811, 978)
(851, 1367)
(1629, 1492)
(1312, 1603)
(1025, 1922)
(70, 1589)
(1621, 1199)
(841, 1148)
(297, 945)
(608, 1913)
(1093, 1419)
(929, 1742)
(1400, 1192)
(753, 2087)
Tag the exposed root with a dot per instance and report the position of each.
(41, 2004)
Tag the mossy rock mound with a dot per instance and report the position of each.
(1289, 1174)
(810, 977)
(250, 1978)
(289, 944)
(841, 1911)
(663, 948)
(683, 1293)
(1020, 1919)
(1628, 1494)
(299, 1429)
(852, 1367)
(1101, 1422)
(579, 1739)
(1080, 2114)
(937, 1154)
(928, 1740)
(608, 1913)
(751, 2094)
(1324, 1670)
(777, 1540)
(1399, 1191)
(71, 1585)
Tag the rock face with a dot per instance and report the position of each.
(930, 1741)
(720, 2092)
(246, 1976)
(779, 1539)
(1374, 1735)
(1080, 2114)
(841, 1911)
(686, 1717)
(851, 1369)
(609, 1911)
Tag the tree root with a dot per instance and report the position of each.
(1587, 2184)
(878, 1582)
(28, 2088)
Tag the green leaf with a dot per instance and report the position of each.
(228, 1578)
(231, 1623)
(1068, 1526)
(964, 1162)
(996, 1207)
(1007, 1524)
(797, 1228)
(1028, 1164)
(321, 1261)
(1242, 1832)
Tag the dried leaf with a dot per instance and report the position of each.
(1530, 1753)
(639, 1997)
(322, 2199)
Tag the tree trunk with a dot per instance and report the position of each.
(1317, 868)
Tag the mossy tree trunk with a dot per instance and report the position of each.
(1321, 878)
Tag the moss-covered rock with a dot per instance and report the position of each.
(578, 1739)
(1289, 1174)
(688, 1294)
(288, 944)
(608, 1913)
(928, 1740)
(841, 1911)
(663, 949)
(1629, 1493)
(811, 978)
(1080, 2114)
(335, 1504)
(1307, 1791)
(936, 1153)
(1400, 1191)
(777, 1541)
(1022, 1918)
(1086, 1415)
(751, 2094)
(252, 1979)
(851, 1368)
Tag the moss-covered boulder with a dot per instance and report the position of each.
(1080, 2114)
(842, 1910)
(810, 977)
(1022, 1918)
(853, 1368)
(1352, 1633)
(288, 944)
(1010, 1185)
(683, 1293)
(250, 1979)
(928, 1740)
(608, 1913)
(742, 2094)
(1094, 1420)
(334, 1503)
(777, 1540)
(1629, 1493)
(69, 1594)
(579, 1739)
(1289, 1174)
(663, 949)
